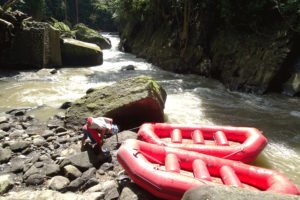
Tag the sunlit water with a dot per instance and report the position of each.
(191, 99)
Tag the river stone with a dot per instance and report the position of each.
(17, 165)
(3, 134)
(4, 119)
(130, 102)
(6, 183)
(58, 183)
(51, 169)
(111, 143)
(95, 188)
(86, 160)
(5, 155)
(134, 192)
(72, 172)
(109, 185)
(112, 194)
(87, 34)
(5, 126)
(35, 179)
(19, 145)
(80, 182)
(47, 133)
(76, 53)
(107, 166)
(232, 193)
(94, 195)
(31, 171)
(42, 195)
(39, 141)
(17, 134)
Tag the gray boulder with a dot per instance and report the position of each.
(19, 145)
(130, 102)
(233, 193)
(72, 172)
(76, 53)
(134, 192)
(58, 183)
(6, 183)
(5, 155)
(42, 195)
(87, 34)
(114, 142)
(85, 160)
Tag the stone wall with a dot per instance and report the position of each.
(243, 60)
(36, 45)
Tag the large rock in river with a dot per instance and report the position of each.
(233, 193)
(75, 52)
(87, 34)
(130, 102)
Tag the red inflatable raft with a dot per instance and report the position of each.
(168, 172)
(234, 143)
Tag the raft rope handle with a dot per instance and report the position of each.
(235, 152)
(132, 128)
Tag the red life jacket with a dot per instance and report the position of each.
(94, 133)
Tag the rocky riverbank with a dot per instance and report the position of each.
(38, 157)
(46, 161)
(48, 158)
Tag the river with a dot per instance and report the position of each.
(191, 99)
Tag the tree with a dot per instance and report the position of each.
(36, 8)
(76, 11)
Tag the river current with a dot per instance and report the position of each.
(191, 100)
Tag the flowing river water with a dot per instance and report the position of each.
(191, 100)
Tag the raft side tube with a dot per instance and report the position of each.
(176, 136)
(229, 177)
(172, 163)
(197, 137)
(220, 138)
(200, 170)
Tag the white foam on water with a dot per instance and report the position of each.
(295, 113)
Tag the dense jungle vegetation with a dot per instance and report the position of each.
(250, 46)
(244, 15)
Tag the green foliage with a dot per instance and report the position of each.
(84, 30)
(56, 9)
(290, 12)
(62, 27)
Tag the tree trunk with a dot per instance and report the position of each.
(76, 11)
(65, 10)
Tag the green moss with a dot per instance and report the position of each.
(91, 106)
(87, 48)
(61, 27)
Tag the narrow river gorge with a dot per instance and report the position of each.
(191, 100)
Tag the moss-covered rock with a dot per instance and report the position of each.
(233, 193)
(75, 52)
(130, 102)
(61, 27)
(87, 34)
